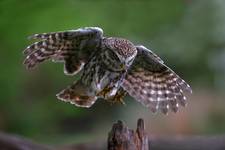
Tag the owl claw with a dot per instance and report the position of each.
(105, 92)
(118, 98)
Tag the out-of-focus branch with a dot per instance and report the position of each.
(166, 143)
(12, 142)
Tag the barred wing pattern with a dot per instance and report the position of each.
(65, 47)
(154, 84)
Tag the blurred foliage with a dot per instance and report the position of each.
(188, 33)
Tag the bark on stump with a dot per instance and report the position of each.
(123, 138)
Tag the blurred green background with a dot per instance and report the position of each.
(189, 35)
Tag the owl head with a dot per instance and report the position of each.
(121, 50)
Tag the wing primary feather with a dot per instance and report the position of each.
(63, 46)
(160, 88)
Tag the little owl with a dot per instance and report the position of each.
(110, 68)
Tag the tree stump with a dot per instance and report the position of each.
(123, 138)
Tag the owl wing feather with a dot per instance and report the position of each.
(154, 84)
(64, 47)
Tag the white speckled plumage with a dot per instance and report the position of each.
(111, 67)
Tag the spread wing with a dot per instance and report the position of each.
(73, 47)
(154, 84)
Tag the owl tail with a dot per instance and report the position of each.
(77, 94)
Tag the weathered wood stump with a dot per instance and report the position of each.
(123, 138)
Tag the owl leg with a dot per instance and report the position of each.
(78, 94)
(118, 97)
(113, 92)
(105, 92)
(120, 92)
(108, 91)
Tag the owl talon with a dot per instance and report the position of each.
(105, 92)
(118, 98)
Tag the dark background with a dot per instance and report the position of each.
(189, 35)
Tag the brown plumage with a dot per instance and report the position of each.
(111, 67)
